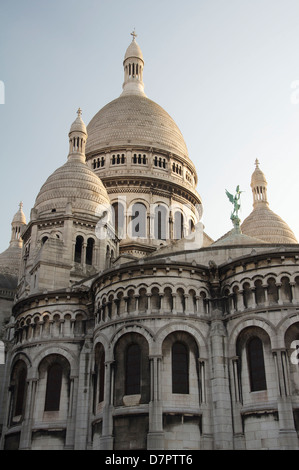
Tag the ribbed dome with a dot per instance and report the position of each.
(72, 183)
(135, 120)
(264, 224)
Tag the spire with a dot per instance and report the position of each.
(259, 186)
(77, 138)
(133, 69)
(18, 221)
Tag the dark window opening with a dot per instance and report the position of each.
(180, 368)
(78, 249)
(54, 382)
(101, 377)
(20, 395)
(89, 251)
(256, 365)
(133, 370)
(44, 239)
(139, 220)
(178, 225)
(118, 215)
(160, 223)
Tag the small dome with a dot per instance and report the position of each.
(133, 51)
(19, 217)
(258, 177)
(78, 125)
(72, 183)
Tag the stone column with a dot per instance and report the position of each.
(220, 390)
(70, 431)
(83, 397)
(26, 432)
(106, 441)
(293, 292)
(287, 433)
(265, 286)
(236, 391)
(155, 437)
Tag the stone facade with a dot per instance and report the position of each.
(156, 342)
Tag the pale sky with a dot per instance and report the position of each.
(227, 71)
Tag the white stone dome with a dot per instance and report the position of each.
(267, 226)
(72, 183)
(134, 120)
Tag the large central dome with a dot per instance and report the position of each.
(134, 119)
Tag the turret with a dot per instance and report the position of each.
(77, 138)
(133, 69)
(259, 186)
(18, 222)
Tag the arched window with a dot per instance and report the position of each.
(259, 292)
(133, 369)
(100, 374)
(21, 386)
(20, 389)
(180, 368)
(178, 225)
(89, 251)
(272, 291)
(256, 365)
(78, 249)
(44, 239)
(53, 389)
(118, 215)
(160, 221)
(139, 220)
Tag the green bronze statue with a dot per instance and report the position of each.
(235, 200)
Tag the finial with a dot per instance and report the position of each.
(21, 205)
(79, 112)
(134, 35)
(257, 163)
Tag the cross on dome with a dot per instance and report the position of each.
(134, 35)
(257, 163)
(79, 112)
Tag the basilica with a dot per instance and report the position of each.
(123, 324)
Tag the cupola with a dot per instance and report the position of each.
(77, 138)
(259, 186)
(133, 69)
(262, 222)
